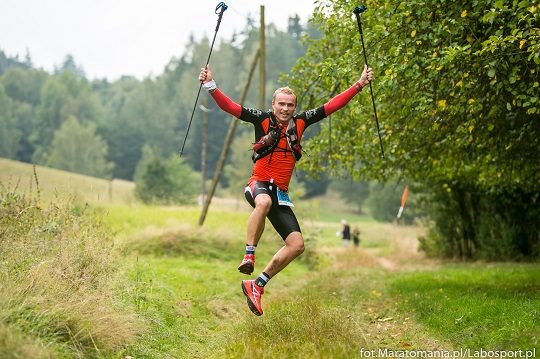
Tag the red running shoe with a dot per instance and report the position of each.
(253, 294)
(248, 264)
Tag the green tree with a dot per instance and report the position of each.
(229, 81)
(9, 133)
(444, 115)
(7, 62)
(457, 90)
(385, 199)
(239, 165)
(164, 181)
(62, 96)
(315, 185)
(146, 109)
(294, 26)
(124, 141)
(77, 148)
(71, 66)
(353, 192)
(23, 86)
(124, 138)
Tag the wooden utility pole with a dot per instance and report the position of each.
(262, 62)
(227, 145)
(204, 141)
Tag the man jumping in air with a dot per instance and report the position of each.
(277, 148)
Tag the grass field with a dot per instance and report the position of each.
(476, 306)
(54, 183)
(383, 295)
(121, 279)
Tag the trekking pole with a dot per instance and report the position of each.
(220, 9)
(357, 11)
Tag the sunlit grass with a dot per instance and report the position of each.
(331, 208)
(193, 300)
(494, 306)
(298, 326)
(53, 183)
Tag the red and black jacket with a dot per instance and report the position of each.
(280, 160)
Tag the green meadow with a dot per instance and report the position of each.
(87, 272)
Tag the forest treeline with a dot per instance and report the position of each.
(46, 115)
(457, 91)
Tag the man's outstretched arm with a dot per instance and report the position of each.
(222, 100)
(340, 100)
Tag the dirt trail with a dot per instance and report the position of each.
(383, 322)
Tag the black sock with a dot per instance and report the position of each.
(262, 279)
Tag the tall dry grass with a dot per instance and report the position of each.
(57, 271)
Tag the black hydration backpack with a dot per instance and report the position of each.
(269, 142)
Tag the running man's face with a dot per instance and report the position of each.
(283, 106)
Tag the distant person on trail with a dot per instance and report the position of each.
(345, 233)
(356, 236)
(278, 132)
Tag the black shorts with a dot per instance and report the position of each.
(281, 217)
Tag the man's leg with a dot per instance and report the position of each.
(294, 246)
(286, 224)
(257, 219)
(254, 289)
(255, 228)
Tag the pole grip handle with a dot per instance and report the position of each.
(220, 9)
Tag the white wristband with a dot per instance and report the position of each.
(210, 86)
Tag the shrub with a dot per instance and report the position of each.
(469, 223)
(164, 181)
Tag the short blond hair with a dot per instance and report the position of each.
(286, 90)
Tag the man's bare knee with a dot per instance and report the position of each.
(296, 243)
(263, 203)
